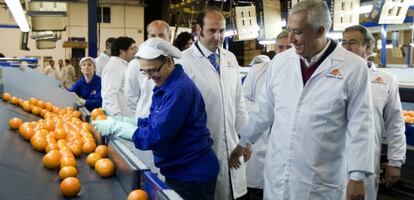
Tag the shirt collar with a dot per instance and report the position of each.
(173, 76)
(316, 57)
(118, 59)
(205, 51)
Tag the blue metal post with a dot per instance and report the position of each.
(383, 45)
(409, 56)
(92, 32)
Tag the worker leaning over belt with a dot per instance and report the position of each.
(215, 71)
(317, 99)
(176, 127)
(88, 87)
(388, 116)
(114, 102)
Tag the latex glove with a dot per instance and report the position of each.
(129, 120)
(81, 101)
(114, 127)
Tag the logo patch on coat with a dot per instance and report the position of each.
(334, 74)
(378, 80)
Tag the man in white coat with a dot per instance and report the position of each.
(388, 116)
(104, 57)
(138, 87)
(114, 102)
(318, 103)
(215, 71)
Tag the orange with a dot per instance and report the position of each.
(27, 133)
(27, 106)
(50, 138)
(38, 143)
(76, 149)
(100, 117)
(15, 123)
(14, 100)
(95, 112)
(76, 114)
(41, 104)
(86, 126)
(33, 101)
(68, 171)
(103, 150)
(92, 158)
(104, 167)
(60, 134)
(67, 161)
(70, 186)
(6, 96)
(48, 106)
(51, 146)
(88, 147)
(138, 195)
(52, 159)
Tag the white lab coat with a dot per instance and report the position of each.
(388, 123)
(138, 90)
(226, 112)
(253, 84)
(312, 124)
(51, 72)
(101, 62)
(113, 78)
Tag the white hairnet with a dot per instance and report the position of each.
(155, 47)
(87, 58)
(260, 59)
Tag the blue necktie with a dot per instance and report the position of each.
(214, 61)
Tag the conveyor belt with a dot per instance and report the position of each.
(22, 176)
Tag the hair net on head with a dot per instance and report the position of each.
(87, 58)
(260, 59)
(155, 47)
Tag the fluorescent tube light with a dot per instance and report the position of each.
(264, 42)
(18, 14)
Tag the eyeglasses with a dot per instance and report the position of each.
(149, 72)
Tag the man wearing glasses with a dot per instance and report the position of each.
(176, 129)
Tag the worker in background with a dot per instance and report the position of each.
(318, 103)
(183, 41)
(114, 102)
(254, 83)
(282, 42)
(176, 127)
(215, 71)
(138, 87)
(88, 87)
(388, 115)
(59, 70)
(68, 74)
(256, 60)
(104, 57)
(51, 71)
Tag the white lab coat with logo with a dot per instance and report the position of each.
(320, 132)
(101, 61)
(388, 123)
(226, 113)
(138, 90)
(113, 78)
(255, 81)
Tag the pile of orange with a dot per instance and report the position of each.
(408, 116)
(63, 136)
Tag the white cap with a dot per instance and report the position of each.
(155, 47)
(87, 58)
(260, 59)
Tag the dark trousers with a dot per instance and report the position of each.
(191, 190)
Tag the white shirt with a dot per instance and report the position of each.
(113, 78)
(316, 57)
(101, 61)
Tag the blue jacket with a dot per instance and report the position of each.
(176, 131)
(91, 92)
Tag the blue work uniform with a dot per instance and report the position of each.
(91, 91)
(176, 131)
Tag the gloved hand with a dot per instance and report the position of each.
(80, 100)
(129, 120)
(111, 126)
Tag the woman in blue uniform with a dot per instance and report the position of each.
(176, 129)
(88, 87)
